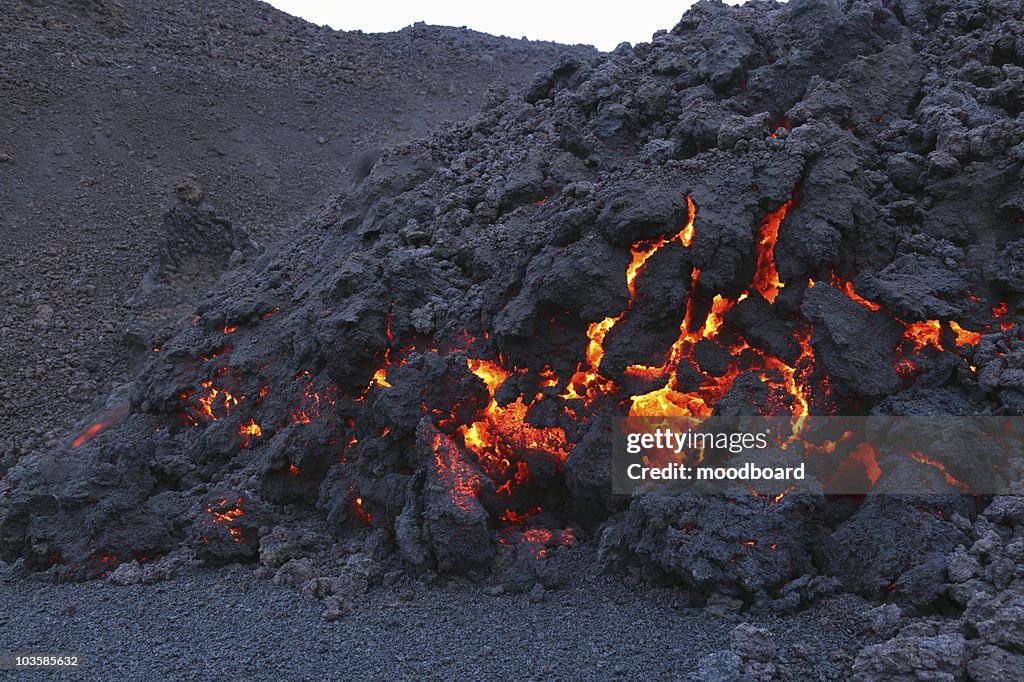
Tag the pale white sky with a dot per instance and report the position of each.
(564, 21)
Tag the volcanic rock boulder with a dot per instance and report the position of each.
(895, 546)
(853, 343)
(649, 328)
(937, 657)
(455, 523)
(744, 546)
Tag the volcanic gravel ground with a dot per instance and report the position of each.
(106, 106)
(227, 624)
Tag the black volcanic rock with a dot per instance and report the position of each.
(711, 358)
(853, 342)
(896, 545)
(430, 366)
(759, 323)
(648, 329)
(918, 286)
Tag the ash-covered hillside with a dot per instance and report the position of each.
(808, 208)
(108, 106)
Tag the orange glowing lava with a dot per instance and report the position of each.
(512, 516)
(923, 334)
(847, 288)
(965, 337)
(501, 435)
(209, 403)
(905, 367)
(642, 251)
(363, 515)
(587, 382)
(539, 540)
(920, 458)
(96, 428)
(865, 454)
(226, 516)
(668, 400)
(248, 432)
(461, 480)
(500, 445)
(766, 279)
(380, 377)
(998, 312)
(313, 403)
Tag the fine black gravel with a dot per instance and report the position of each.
(229, 624)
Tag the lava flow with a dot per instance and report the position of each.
(502, 436)
(462, 482)
(920, 458)
(96, 428)
(210, 403)
(313, 403)
(500, 449)
(588, 383)
(226, 515)
(670, 399)
(248, 432)
(766, 279)
(503, 443)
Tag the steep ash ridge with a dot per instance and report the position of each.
(782, 209)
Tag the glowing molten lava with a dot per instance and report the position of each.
(866, 455)
(847, 288)
(248, 431)
(923, 334)
(587, 382)
(226, 516)
(669, 400)
(365, 516)
(313, 403)
(641, 251)
(539, 541)
(106, 422)
(501, 436)
(999, 312)
(965, 337)
(207, 404)
(461, 480)
(766, 280)
(498, 449)
(920, 458)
